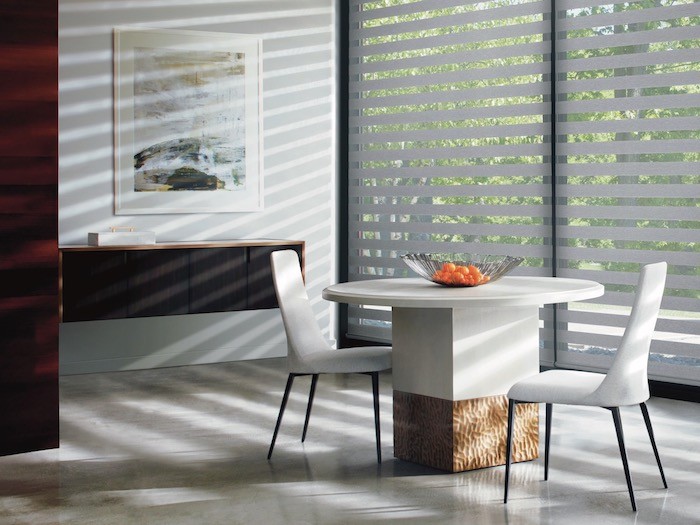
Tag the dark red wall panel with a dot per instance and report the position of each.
(28, 225)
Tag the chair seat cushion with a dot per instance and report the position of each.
(346, 360)
(568, 387)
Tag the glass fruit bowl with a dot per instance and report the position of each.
(460, 270)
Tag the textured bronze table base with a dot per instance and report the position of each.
(461, 435)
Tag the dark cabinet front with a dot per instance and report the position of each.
(218, 280)
(157, 283)
(94, 285)
(261, 288)
(116, 284)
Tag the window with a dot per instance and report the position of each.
(627, 177)
(451, 118)
(449, 124)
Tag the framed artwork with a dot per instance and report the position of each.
(188, 122)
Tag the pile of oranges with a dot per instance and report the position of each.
(458, 275)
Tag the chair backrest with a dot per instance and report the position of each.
(626, 382)
(304, 336)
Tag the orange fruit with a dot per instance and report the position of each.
(448, 267)
(457, 278)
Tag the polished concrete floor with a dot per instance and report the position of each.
(188, 445)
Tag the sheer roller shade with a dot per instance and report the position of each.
(449, 123)
(628, 182)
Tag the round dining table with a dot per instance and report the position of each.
(456, 352)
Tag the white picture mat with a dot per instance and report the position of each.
(130, 202)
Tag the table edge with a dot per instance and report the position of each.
(592, 290)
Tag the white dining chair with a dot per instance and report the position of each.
(308, 352)
(624, 384)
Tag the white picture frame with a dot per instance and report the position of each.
(187, 122)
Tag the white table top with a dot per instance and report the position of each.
(420, 293)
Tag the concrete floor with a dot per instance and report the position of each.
(188, 445)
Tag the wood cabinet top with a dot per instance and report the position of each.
(233, 243)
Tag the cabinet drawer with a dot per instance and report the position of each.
(158, 282)
(218, 280)
(94, 286)
(261, 287)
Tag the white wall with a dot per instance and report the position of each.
(299, 175)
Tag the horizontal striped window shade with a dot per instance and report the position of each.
(627, 174)
(452, 110)
(449, 130)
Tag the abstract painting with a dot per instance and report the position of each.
(187, 122)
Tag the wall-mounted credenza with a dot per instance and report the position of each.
(118, 282)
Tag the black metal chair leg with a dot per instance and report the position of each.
(312, 391)
(645, 413)
(621, 441)
(509, 444)
(547, 437)
(375, 394)
(290, 380)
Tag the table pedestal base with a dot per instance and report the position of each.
(461, 435)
